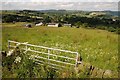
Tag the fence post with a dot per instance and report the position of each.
(48, 55)
(8, 45)
(26, 47)
(76, 59)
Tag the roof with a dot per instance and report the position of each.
(67, 24)
(52, 23)
(39, 24)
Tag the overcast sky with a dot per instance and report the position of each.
(60, 0)
(87, 5)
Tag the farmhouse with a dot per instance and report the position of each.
(53, 25)
(39, 17)
(39, 24)
(68, 25)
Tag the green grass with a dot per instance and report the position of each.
(97, 47)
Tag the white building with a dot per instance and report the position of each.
(39, 24)
(69, 25)
(53, 25)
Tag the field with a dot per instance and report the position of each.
(97, 47)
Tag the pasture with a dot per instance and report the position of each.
(97, 47)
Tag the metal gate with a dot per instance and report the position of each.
(55, 58)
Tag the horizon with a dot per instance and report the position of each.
(61, 9)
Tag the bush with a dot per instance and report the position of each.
(118, 31)
(111, 29)
(101, 27)
(85, 25)
(78, 24)
(59, 25)
(9, 18)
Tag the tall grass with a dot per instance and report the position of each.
(98, 47)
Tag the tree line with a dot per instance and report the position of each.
(78, 21)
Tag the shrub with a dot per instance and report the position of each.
(111, 29)
(85, 25)
(59, 25)
(118, 31)
(101, 27)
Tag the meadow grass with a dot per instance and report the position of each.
(97, 47)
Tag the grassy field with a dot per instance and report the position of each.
(97, 47)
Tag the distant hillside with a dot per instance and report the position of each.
(52, 10)
(113, 13)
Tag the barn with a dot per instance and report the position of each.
(53, 25)
(67, 25)
(39, 24)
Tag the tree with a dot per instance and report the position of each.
(118, 31)
(24, 18)
(9, 18)
(78, 24)
(59, 25)
(111, 29)
(47, 20)
(85, 25)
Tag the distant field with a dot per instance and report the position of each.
(98, 47)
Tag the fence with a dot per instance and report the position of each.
(55, 58)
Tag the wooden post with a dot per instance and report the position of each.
(26, 47)
(76, 60)
(48, 55)
(8, 45)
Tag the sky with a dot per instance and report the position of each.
(59, 0)
(86, 5)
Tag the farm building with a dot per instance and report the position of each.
(68, 25)
(39, 17)
(39, 24)
(53, 25)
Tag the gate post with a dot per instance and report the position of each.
(48, 55)
(8, 45)
(76, 59)
(26, 47)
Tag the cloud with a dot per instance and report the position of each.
(107, 6)
(60, 5)
(59, 1)
(104, 5)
